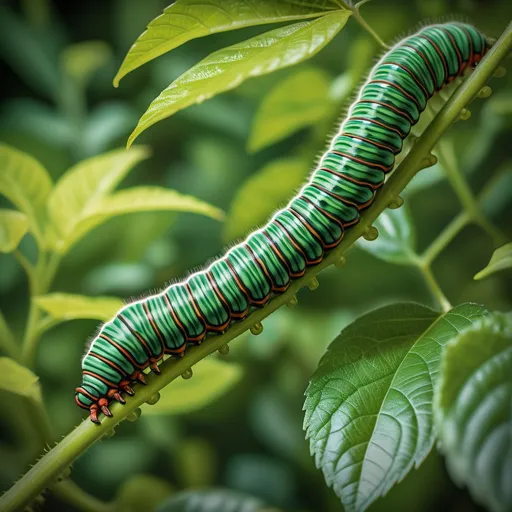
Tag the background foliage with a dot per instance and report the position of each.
(238, 425)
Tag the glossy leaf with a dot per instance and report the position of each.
(227, 68)
(212, 500)
(369, 403)
(17, 379)
(474, 413)
(501, 259)
(13, 226)
(25, 182)
(262, 194)
(82, 188)
(65, 306)
(396, 239)
(211, 379)
(294, 103)
(189, 19)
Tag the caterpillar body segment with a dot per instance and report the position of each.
(389, 106)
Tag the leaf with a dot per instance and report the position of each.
(396, 239)
(81, 60)
(297, 101)
(25, 182)
(105, 124)
(37, 119)
(227, 68)
(65, 306)
(142, 199)
(368, 405)
(19, 380)
(501, 259)
(28, 54)
(82, 188)
(142, 492)
(13, 226)
(212, 378)
(212, 500)
(473, 410)
(262, 194)
(189, 19)
(6, 337)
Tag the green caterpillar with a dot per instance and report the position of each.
(354, 167)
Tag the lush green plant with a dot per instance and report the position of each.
(392, 383)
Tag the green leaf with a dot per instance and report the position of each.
(212, 500)
(81, 189)
(298, 101)
(212, 378)
(142, 199)
(473, 410)
(227, 68)
(7, 338)
(13, 226)
(500, 260)
(81, 60)
(19, 380)
(262, 193)
(189, 19)
(29, 54)
(25, 182)
(396, 239)
(142, 492)
(65, 306)
(368, 405)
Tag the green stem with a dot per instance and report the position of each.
(357, 16)
(448, 162)
(48, 468)
(434, 286)
(444, 238)
(68, 491)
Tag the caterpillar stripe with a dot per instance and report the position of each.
(345, 182)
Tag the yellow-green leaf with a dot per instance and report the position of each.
(81, 60)
(82, 188)
(227, 68)
(262, 194)
(500, 260)
(298, 101)
(142, 492)
(13, 226)
(142, 199)
(189, 19)
(65, 306)
(17, 379)
(25, 182)
(211, 379)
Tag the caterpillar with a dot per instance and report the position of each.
(248, 275)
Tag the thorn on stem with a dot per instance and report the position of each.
(187, 374)
(371, 233)
(465, 114)
(134, 415)
(153, 399)
(485, 92)
(313, 284)
(396, 203)
(257, 328)
(224, 350)
(292, 303)
(341, 262)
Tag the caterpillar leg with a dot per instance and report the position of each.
(96, 407)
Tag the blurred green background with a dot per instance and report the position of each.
(58, 59)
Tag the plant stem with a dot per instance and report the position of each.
(466, 197)
(48, 468)
(444, 238)
(68, 491)
(434, 287)
(362, 22)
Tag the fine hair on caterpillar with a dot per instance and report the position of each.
(404, 89)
